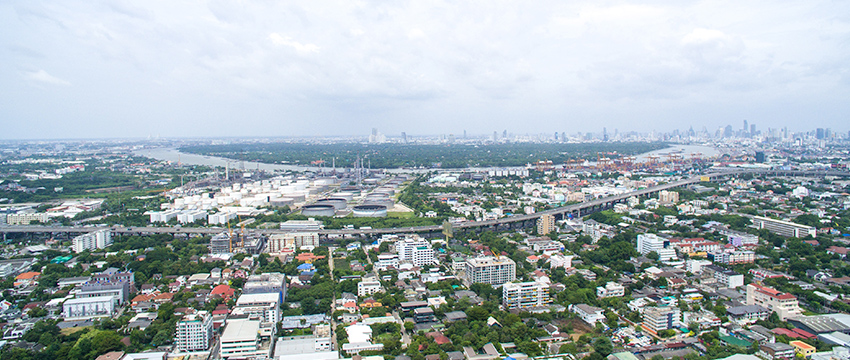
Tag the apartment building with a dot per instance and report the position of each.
(416, 250)
(546, 224)
(525, 295)
(94, 240)
(785, 305)
(784, 228)
(611, 289)
(490, 270)
(660, 318)
(194, 332)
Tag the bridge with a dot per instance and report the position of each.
(506, 223)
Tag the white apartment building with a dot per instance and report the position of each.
(611, 289)
(292, 241)
(94, 240)
(784, 228)
(668, 197)
(368, 286)
(265, 306)
(727, 278)
(490, 270)
(525, 295)
(163, 216)
(26, 218)
(416, 250)
(660, 318)
(587, 313)
(785, 305)
(386, 261)
(647, 243)
(241, 339)
(732, 257)
(91, 307)
(563, 261)
(194, 332)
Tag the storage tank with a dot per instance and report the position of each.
(318, 210)
(350, 189)
(378, 200)
(337, 203)
(369, 211)
(345, 195)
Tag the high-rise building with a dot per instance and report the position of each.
(194, 332)
(753, 130)
(94, 240)
(404, 137)
(490, 270)
(279, 242)
(525, 295)
(746, 128)
(760, 157)
(416, 250)
(545, 224)
(820, 133)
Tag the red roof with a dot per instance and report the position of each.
(27, 275)
(223, 290)
(804, 333)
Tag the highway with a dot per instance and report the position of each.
(580, 209)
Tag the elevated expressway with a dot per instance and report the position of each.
(517, 221)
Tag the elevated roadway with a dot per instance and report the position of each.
(517, 221)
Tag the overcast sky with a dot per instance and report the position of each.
(84, 69)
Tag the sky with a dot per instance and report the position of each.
(134, 69)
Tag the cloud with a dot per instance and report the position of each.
(279, 39)
(45, 78)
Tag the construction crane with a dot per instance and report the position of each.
(494, 254)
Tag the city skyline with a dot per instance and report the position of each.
(78, 70)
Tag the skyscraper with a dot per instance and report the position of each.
(404, 137)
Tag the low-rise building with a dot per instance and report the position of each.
(368, 286)
(785, 305)
(611, 289)
(587, 313)
(660, 318)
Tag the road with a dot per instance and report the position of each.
(577, 209)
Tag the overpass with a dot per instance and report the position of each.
(506, 223)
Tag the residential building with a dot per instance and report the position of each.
(747, 314)
(546, 224)
(26, 218)
(416, 250)
(803, 349)
(562, 261)
(92, 307)
(727, 278)
(423, 315)
(732, 257)
(668, 197)
(243, 338)
(647, 243)
(784, 228)
(490, 270)
(266, 283)
(525, 295)
(279, 242)
(387, 261)
(587, 313)
(660, 318)
(611, 289)
(368, 286)
(194, 332)
(265, 306)
(94, 240)
(776, 351)
(785, 305)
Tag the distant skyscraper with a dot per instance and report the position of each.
(820, 133)
(505, 134)
(404, 137)
(464, 134)
(753, 130)
(759, 156)
(563, 136)
(728, 132)
(495, 136)
(746, 128)
(604, 134)
(556, 136)
(691, 132)
(374, 131)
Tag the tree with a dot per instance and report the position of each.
(652, 255)
(603, 346)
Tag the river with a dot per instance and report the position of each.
(173, 155)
